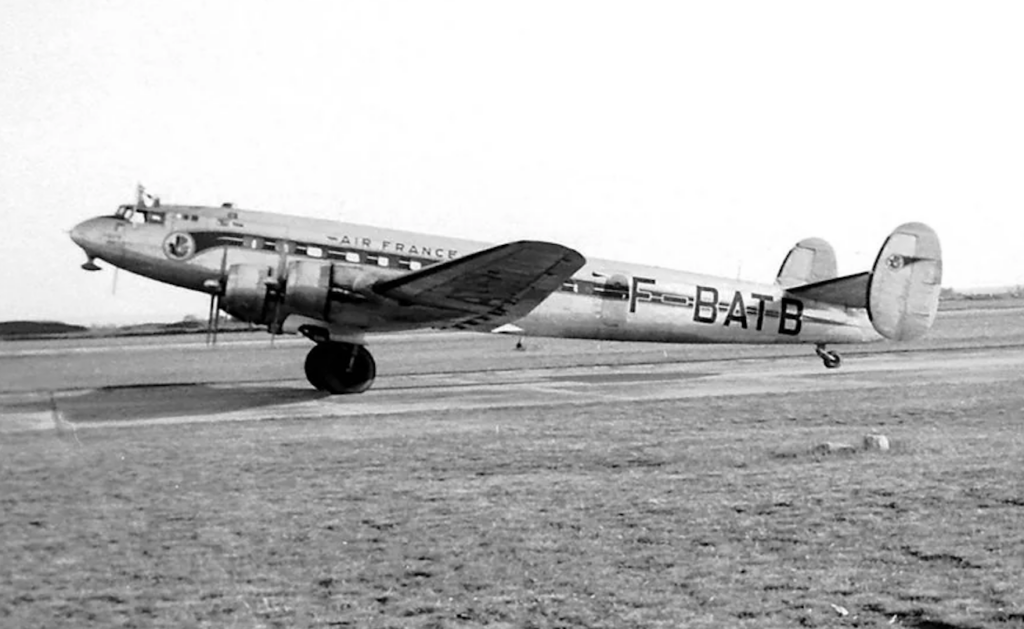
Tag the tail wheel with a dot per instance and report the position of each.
(340, 368)
(831, 359)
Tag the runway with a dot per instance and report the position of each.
(140, 405)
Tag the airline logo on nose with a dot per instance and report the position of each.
(179, 245)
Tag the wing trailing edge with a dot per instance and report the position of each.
(489, 288)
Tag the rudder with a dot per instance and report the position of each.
(903, 292)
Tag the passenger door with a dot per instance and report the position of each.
(613, 297)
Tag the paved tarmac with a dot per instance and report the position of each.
(137, 406)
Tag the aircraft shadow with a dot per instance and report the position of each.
(179, 400)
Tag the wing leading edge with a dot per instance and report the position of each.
(489, 288)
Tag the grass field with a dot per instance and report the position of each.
(703, 513)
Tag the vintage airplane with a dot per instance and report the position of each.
(334, 282)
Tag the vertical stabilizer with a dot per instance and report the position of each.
(903, 293)
(810, 260)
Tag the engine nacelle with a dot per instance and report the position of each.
(308, 289)
(245, 292)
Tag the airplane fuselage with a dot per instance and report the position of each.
(190, 247)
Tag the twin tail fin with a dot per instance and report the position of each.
(903, 294)
(900, 293)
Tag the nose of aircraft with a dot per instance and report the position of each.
(89, 235)
(78, 235)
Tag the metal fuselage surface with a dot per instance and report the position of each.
(190, 246)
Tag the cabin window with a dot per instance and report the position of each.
(415, 265)
(253, 243)
(352, 256)
(314, 252)
(155, 217)
(382, 261)
(283, 246)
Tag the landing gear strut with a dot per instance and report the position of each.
(831, 359)
(339, 368)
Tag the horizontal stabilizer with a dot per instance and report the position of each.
(850, 291)
(488, 288)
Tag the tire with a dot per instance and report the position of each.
(340, 368)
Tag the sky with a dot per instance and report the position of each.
(701, 136)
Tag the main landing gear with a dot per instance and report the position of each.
(338, 368)
(831, 359)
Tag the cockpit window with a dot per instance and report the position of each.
(125, 212)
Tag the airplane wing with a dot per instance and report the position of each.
(488, 288)
(850, 291)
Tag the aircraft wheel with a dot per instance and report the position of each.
(314, 368)
(832, 360)
(340, 368)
